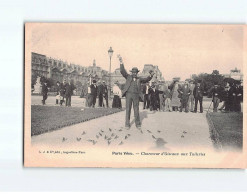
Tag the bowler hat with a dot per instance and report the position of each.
(134, 69)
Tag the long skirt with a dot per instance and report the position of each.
(116, 102)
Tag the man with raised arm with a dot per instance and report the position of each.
(132, 91)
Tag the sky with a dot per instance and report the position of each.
(178, 50)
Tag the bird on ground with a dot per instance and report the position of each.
(101, 131)
(94, 142)
(158, 131)
(78, 139)
(120, 130)
(100, 134)
(64, 139)
(141, 131)
(149, 131)
(109, 142)
(121, 143)
(182, 136)
(128, 134)
(112, 134)
(126, 137)
(97, 136)
(83, 133)
(184, 132)
(116, 137)
(153, 137)
(110, 129)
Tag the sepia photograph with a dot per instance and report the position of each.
(135, 95)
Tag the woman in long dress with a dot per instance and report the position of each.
(175, 101)
(117, 94)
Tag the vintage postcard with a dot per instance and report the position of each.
(135, 95)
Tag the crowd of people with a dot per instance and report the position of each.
(157, 97)
(94, 90)
(179, 97)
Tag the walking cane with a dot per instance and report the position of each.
(209, 106)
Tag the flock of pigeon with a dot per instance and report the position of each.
(111, 135)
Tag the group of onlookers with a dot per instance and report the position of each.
(231, 95)
(64, 91)
(99, 89)
(162, 97)
(179, 97)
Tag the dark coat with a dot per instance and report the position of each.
(216, 92)
(129, 78)
(154, 97)
(62, 89)
(94, 90)
(184, 92)
(69, 89)
(44, 89)
(100, 89)
(198, 92)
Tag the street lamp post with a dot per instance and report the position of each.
(110, 53)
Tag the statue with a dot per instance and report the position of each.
(37, 86)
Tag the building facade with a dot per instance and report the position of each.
(58, 70)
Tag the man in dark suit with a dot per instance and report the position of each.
(100, 93)
(184, 92)
(105, 94)
(145, 91)
(198, 95)
(132, 90)
(216, 91)
(94, 90)
(69, 87)
(62, 89)
(154, 98)
(44, 92)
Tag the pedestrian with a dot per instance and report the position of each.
(132, 91)
(100, 92)
(62, 88)
(184, 93)
(225, 98)
(117, 94)
(161, 89)
(57, 92)
(154, 98)
(44, 92)
(236, 94)
(105, 95)
(215, 91)
(88, 95)
(167, 97)
(146, 101)
(175, 101)
(94, 90)
(69, 88)
(191, 99)
(198, 95)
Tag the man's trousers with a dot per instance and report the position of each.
(132, 98)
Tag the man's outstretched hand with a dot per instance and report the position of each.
(120, 59)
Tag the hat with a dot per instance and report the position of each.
(134, 69)
(94, 81)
